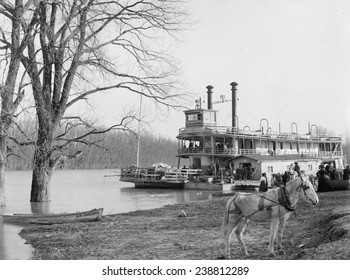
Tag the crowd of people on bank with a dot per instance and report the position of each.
(227, 171)
(280, 179)
(329, 172)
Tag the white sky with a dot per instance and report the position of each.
(290, 58)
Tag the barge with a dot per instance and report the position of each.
(228, 158)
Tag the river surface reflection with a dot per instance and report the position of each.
(78, 190)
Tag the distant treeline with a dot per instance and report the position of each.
(113, 149)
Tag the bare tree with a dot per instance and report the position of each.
(77, 48)
(12, 46)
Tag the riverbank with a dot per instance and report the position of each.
(316, 232)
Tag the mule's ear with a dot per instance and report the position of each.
(311, 178)
(303, 175)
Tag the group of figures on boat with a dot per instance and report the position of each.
(330, 180)
(229, 172)
(279, 179)
(327, 178)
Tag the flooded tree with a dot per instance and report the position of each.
(12, 46)
(80, 48)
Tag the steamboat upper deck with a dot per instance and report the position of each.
(204, 143)
(255, 142)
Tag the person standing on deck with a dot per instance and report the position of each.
(322, 179)
(217, 169)
(297, 168)
(327, 169)
(285, 178)
(333, 173)
(346, 173)
(263, 183)
(190, 146)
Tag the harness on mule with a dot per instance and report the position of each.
(283, 199)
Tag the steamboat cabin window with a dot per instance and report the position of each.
(200, 117)
(194, 117)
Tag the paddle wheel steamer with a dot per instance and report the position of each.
(219, 157)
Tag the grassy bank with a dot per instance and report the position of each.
(316, 232)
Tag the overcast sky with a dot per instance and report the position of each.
(290, 59)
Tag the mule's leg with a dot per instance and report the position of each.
(273, 230)
(280, 235)
(227, 228)
(239, 234)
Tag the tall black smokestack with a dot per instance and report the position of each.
(234, 103)
(210, 93)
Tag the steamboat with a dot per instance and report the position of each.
(221, 157)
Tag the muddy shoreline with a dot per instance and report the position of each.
(316, 232)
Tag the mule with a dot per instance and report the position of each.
(276, 205)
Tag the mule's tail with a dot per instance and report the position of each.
(228, 209)
(227, 225)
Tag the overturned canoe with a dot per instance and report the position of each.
(49, 219)
(338, 185)
(328, 185)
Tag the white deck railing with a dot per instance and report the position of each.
(257, 151)
(171, 174)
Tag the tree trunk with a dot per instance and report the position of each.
(42, 167)
(42, 172)
(5, 121)
(3, 157)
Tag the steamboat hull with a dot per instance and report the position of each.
(159, 185)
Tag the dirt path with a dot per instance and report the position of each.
(317, 232)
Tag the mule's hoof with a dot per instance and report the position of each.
(246, 254)
(272, 254)
(228, 257)
(281, 252)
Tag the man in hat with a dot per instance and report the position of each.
(263, 183)
(297, 168)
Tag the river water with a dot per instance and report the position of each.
(78, 190)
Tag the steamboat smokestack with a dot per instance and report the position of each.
(234, 103)
(210, 93)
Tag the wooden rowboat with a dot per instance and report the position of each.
(49, 219)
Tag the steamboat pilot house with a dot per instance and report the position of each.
(206, 144)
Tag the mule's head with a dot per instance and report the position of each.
(308, 189)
